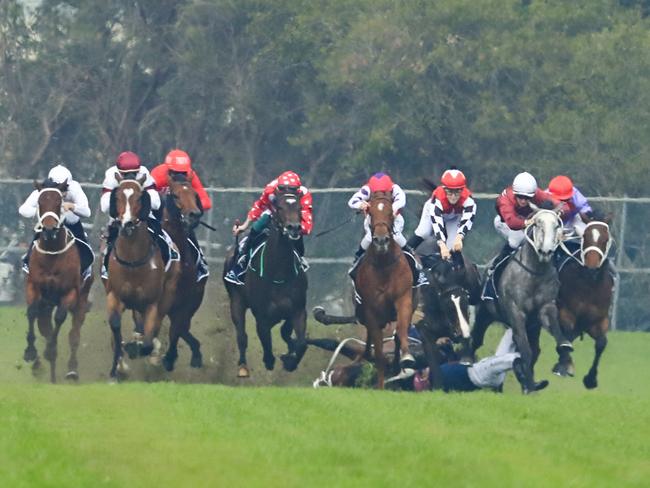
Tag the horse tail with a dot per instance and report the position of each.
(325, 319)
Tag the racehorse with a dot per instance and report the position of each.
(54, 280)
(275, 288)
(181, 215)
(586, 288)
(137, 278)
(453, 285)
(527, 289)
(384, 291)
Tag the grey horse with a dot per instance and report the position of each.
(527, 289)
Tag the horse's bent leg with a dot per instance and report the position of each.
(115, 309)
(238, 317)
(599, 333)
(264, 333)
(549, 317)
(175, 326)
(517, 320)
(433, 360)
(195, 346)
(33, 301)
(297, 347)
(151, 327)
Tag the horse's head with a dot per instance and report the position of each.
(287, 215)
(448, 282)
(545, 231)
(183, 203)
(381, 220)
(50, 208)
(596, 241)
(130, 204)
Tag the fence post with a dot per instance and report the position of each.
(619, 263)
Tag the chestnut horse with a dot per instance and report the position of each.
(275, 288)
(586, 289)
(54, 280)
(137, 278)
(181, 214)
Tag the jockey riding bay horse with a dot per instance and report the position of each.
(137, 278)
(275, 288)
(181, 215)
(383, 284)
(586, 288)
(54, 280)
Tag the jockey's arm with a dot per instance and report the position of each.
(399, 199)
(160, 176)
(29, 208)
(109, 183)
(506, 211)
(359, 200)
(306, 213)
(79, 199)
(206, 203)
(149, 186)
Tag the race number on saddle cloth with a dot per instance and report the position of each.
(259, 215)
(178, 162)
(75, 207)
(447, 216)
(513, 211)
(381, 182)
(128, 166)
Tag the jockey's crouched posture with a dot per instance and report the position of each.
(178, 164)
(359, 201)
(259, 216)
(129, 167)
(75, 206)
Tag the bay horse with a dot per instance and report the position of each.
(54, 280)
(527, 289)
(181, 214)
(137, 278)
(275, 288)
(383, 289)
(585, 297)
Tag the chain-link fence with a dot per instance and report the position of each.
(330, 253)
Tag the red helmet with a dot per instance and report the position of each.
(289, 179)
(128, 161)
(561, 187)
(380, 182)
(179, 161)
(453, 179)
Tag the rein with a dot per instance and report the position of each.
(70, 240)
(524, 266)
(139, 262)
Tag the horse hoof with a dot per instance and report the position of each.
(289, 362)
(36, 365)
(72, 376)
(243, 372)
(563, 370)
(123, 367)
(168, 363)
(154, 360)
(270, 364)
(131, 348)
(196, 361)
(407, 362)
(318, 312)
(30, 354)
(590, 382)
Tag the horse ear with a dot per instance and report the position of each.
(145, 206)
(38, 185)
(141, 179)
(112, 206)
(62, 187)
(118, 177)
(534, 207)
(199, 204)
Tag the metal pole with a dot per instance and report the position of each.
(207, 249)
(619, 263)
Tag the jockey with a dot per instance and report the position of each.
(177, 163)
(75, 206)
(259, 216)
(360, 201)
(448, 216)
(128, 166)
(576, 211)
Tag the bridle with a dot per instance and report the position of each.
(558, 236)
(69, 236)
(389, 225)
(584, 250)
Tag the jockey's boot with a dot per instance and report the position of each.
(111, 235)
(505, 251)
(299, 246)
(414, 241)
(236, 273)
(419, 278)
(202, 269)
(28, 254)
(79, 233)
(167, 246)
(352, 272)
(494, 271)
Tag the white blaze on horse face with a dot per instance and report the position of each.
(464, 325)
(380, 207)
(595, 234)
(290, 201)
(127, 211)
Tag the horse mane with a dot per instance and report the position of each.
(429, 184)
(145, 202)
(112, 205)
(546, 205)
(49, 183)
(179, 177)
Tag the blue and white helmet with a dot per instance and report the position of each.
(60, 174)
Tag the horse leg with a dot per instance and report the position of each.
(549, 317)
(195, 346)
(74, 336)
(404, 313)
(599, 333)
(150, 343)
(115, 309)
(33, 304)
(484, 318)
(517, 320)
(238, 317)
(264, 333)
(175, 327)
(433, 360)
(375, 335)
(297, 347)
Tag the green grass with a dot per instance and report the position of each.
(172, 434)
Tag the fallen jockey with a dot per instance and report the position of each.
(129, 167)
(260, 215)
(75, 207)
(359, 201)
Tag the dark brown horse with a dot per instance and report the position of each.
(54, 280)
(275, 288)
(586, 289)
(181, 215)
(137, 278)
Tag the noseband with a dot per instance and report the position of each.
(584, 250)
(531, 240)
(69, 237)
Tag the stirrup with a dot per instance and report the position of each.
(231, 277)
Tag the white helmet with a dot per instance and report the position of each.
(60, 174)
(524, 184)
